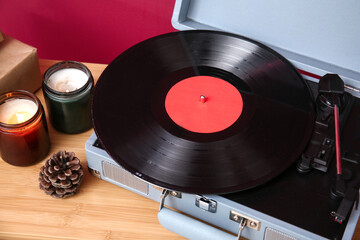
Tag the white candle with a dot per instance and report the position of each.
(67, 80)
(17, 110)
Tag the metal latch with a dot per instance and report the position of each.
(205, 203)
(251, 223)
(244, 221)
(165, 193)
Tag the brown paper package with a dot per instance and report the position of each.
(19, 66)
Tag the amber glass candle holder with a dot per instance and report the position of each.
(24, 136)
(67, 88)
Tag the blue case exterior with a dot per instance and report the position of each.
(190, 227)
(318, 37)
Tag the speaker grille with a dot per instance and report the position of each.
(272, 234)
(120, 175)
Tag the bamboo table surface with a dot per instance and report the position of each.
(100, 210)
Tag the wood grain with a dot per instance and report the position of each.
(99, 211)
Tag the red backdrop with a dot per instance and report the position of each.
(84, 30)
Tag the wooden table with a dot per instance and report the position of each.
(99, 211)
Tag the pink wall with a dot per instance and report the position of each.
(84, 30)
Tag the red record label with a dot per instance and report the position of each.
(204, 104)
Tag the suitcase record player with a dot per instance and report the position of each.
(280, 158)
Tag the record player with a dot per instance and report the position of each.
(269, 147)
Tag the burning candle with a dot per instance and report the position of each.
(17, 110)
(67, 88)
(24, 137)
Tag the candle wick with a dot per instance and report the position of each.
(202, 99)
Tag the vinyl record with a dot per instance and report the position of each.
(202, 112)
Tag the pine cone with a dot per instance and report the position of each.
(61, 175)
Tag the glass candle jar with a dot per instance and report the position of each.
(24, 136)
(67, 88)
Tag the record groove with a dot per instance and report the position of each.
(131, 121)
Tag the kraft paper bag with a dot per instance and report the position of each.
(19, 66)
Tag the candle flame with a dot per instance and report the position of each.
(20, 117)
